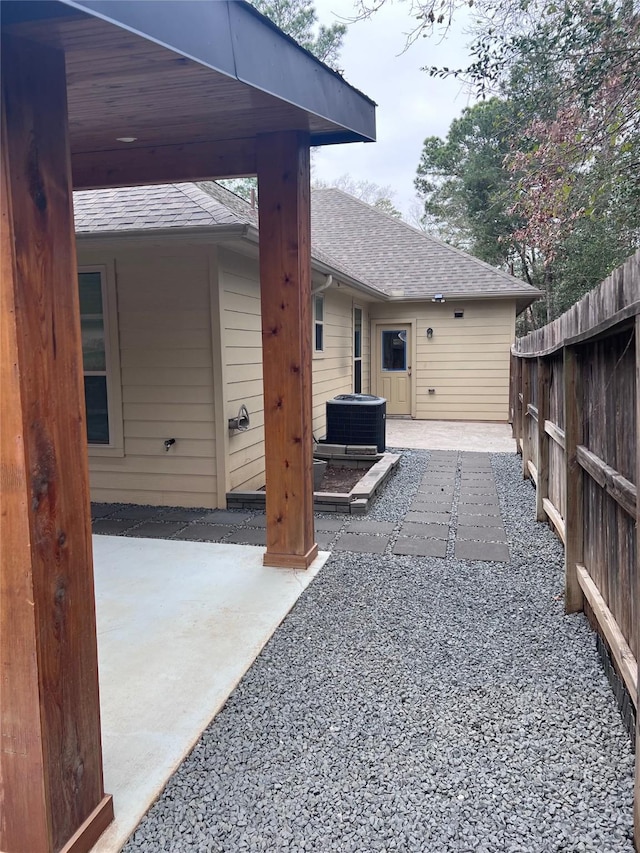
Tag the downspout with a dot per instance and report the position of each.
(324, 286)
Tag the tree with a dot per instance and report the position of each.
(464, 186)
(567, 188)
(298, 18)
(367, 191)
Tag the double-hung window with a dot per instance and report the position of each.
(357, 350)
(99, 356)
(318, 323)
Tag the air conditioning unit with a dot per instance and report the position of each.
(357, 419)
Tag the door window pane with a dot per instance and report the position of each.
(394, 350)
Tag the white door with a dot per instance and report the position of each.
(393, 369)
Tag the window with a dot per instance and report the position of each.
(357, 350)
(102, 394)
(318, 323)
(394, 350)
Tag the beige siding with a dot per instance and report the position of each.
(239, 280)
(333, 368)
(167, 383)
(466, 361)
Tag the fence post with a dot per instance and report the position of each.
(636, 799)
(574, 522)
(517, 408)
(526, 399)
(544, 387)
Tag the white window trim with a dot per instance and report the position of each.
(112, 357)
(316, 322)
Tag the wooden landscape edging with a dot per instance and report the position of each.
(587, 446)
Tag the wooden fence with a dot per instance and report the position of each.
(575, 410)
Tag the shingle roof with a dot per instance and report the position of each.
(401, 260)
(151, 208)
(349, 236)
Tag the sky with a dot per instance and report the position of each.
(411, 105)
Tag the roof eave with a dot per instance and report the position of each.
(244, 49)
(467, 295)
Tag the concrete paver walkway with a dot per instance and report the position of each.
(428, 530)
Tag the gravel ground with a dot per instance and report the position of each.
(415, 704)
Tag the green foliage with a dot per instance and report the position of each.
(464, 185)
(298, 18)
(555, 187)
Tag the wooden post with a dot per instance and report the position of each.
(574, 521)
(285, 292)
(517, 408)
(50, 759)
(543, 391)
(636, 799)
(513, 361)
(526, 418)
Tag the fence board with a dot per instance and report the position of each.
(582, 418)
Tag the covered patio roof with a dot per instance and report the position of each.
(191, 83)
(98, 94)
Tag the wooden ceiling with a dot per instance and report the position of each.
(121, 84)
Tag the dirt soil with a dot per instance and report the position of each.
(340, 480)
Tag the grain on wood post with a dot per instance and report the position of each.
(49, 704)
(574, 520)
(285, 293)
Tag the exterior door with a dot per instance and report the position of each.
(394, 368)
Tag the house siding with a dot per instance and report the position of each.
(239, 280)
(333, 368)
(466, 361)
(164, 329)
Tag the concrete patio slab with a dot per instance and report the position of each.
(364, 525)
(158, 529)
(484, 551)
(111, 527)
(481, 533)
(450, 435)
(179, 623)
(433, 531)
(428, 517)
(362, 543)
(205, 532)
(408, 547)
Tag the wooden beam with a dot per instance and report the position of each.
(533, 472)
(285, 290)
(163, 164)
(555, 518)
(574, 516)
(555, 432)
(543, 391)
(626, 663)
(621, 490)
(50, 758)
